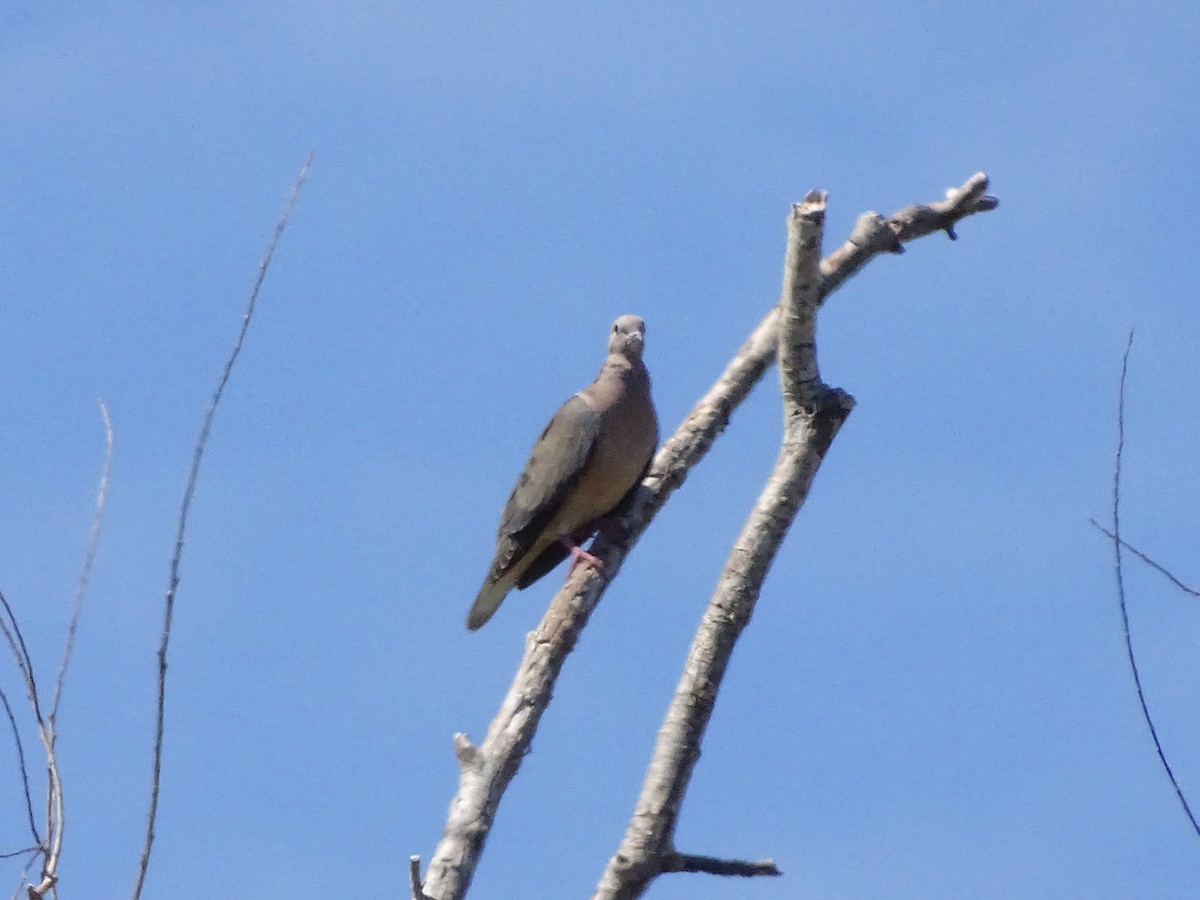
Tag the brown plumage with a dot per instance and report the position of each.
(594, 452)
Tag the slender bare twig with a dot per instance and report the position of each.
(51, 847)
(24, 769)
(25, 872)
(89, 558)
(1119, 570)
(485, 771)
(1163, 570)
(16, 643)
(185, 508)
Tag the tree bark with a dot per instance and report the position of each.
(487, 769)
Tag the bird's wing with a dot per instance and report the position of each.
(559, 458)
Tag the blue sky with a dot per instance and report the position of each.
(932, 699)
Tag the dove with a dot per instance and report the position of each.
(591, 455)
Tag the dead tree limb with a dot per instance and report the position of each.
(812, 415)
(486, 770)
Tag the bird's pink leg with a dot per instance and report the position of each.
(578, 554)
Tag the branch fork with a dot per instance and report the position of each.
(813, 414)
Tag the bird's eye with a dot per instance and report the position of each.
(615, 329)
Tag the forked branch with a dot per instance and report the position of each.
(487, 769)
(49, 848)
(812, 416)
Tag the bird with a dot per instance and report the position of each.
(591, 455)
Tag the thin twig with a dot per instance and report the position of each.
(24, 873)
(184, 509)
(16, 643)
(1146, 559)
(1120, 573)
(12, 721)
(53, 840)
(89, 558)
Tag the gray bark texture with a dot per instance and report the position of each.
(813, 414)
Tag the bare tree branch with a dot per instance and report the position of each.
(1146, 559)
(1119, 571)
(185, 508)
(50, 848)
(34, 853)
(24, 769)
(686, 862)
(16, 644)
(89, 558)
(813, 414)
(486, 770)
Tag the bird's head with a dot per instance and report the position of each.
(627, 336)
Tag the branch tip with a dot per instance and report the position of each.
(710, 865)
(467, 753)
(414, 878)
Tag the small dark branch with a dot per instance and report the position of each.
(89, 558)
(185, 507)
(414, 878)
(16, 643)
(16, 733)
(473, 808)
(1118, 543)
(687, 862)
(1146, 559)
(15, 853)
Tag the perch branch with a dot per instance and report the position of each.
(185, 507)
(495, 762)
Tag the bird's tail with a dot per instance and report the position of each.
(490, 596)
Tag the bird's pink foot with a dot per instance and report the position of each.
(578, 555)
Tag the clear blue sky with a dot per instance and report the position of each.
(932, 699)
